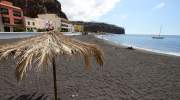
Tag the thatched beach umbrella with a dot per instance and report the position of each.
(42, 50)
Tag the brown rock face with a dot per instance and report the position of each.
(33, 7)
(100, 27)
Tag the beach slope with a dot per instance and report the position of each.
(126, 75)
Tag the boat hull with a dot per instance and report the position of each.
(158, 37)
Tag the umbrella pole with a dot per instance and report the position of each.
(54, 78)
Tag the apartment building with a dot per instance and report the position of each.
(58, 24)
(38, 24)
(42, 24)
(66, 26)
(53, 20)
(78, 28)
(30, 24)
(12, 18)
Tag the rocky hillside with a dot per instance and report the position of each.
(100, 27)
(33, 7)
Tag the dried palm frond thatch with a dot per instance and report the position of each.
(42, 49)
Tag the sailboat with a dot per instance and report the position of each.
(158, 36)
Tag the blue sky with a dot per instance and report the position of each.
(136, 16)
(145, 16)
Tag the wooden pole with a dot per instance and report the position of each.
(54, 78)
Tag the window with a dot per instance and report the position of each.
(33, 23)
(17, 13)
(64, 25)
(64, 30)
(4, 11)
(6, 20)
(17, 21)
(29, 23)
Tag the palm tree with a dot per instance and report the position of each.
(41, 50)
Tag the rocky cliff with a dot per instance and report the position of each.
(100, 27)
(33, 7)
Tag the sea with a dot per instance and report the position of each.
(169, 45)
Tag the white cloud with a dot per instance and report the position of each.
(159, 6)
(120, 16)
(87, 10)
(124, 17)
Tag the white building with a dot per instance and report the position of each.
(52, 19)
(37, 24)
(66, 26)
(48, 21)
(41, 23)
(30, 24)
(71, 28)
(59, 24)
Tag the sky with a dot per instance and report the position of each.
(136, 16)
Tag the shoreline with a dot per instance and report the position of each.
(99, 37)
(158, 52)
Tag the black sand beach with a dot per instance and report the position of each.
(126, 75)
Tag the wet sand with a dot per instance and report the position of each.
(126, 75)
